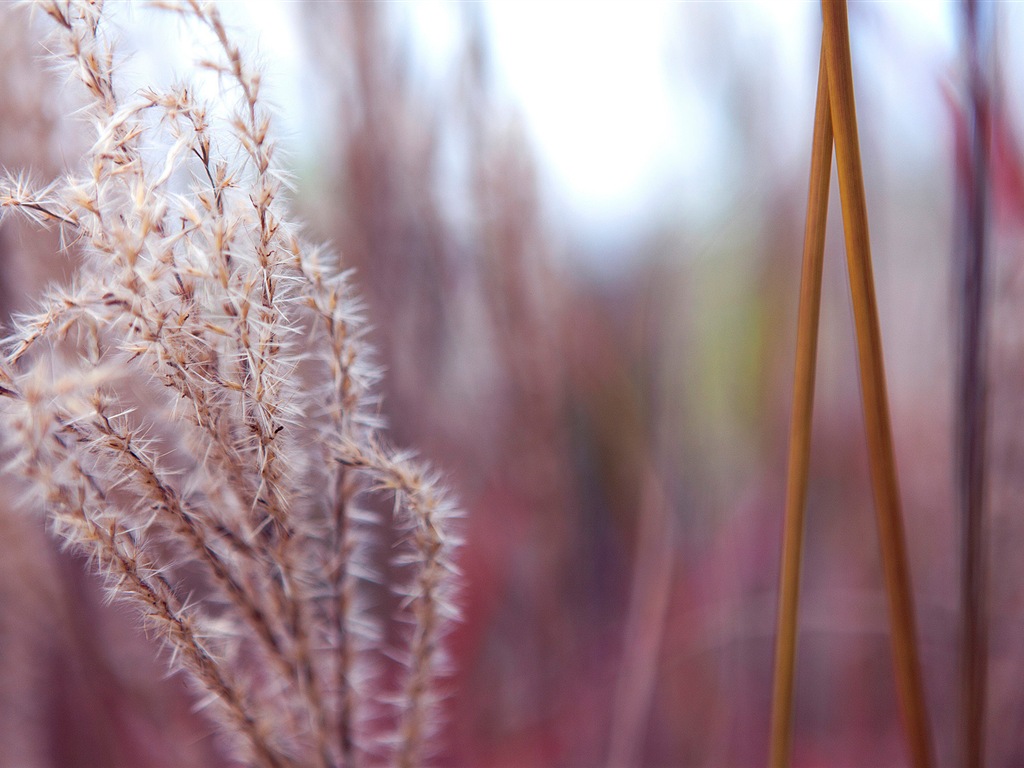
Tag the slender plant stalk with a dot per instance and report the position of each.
(873, 389)
(343, 590)
(800, 425)
(972, 396)
(649, 601)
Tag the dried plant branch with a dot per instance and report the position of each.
(196, 412)
(873, 387)
(800, 425)
(426, 512)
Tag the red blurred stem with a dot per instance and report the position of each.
(972, 215)
(645, 624)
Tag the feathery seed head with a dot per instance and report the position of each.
(171, 407)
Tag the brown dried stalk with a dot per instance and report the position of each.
(873, 388)
(835, 112)
(800, 425)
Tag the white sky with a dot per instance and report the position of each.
(599, 82)
(595, 80)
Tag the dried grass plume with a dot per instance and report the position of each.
(195, 411)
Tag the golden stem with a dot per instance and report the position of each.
(800, 425)
(873, 389)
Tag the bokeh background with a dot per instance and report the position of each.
(577, 229)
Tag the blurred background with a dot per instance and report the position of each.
(577, 228)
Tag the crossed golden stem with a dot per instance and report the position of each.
(835, 123)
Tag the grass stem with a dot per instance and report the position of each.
(800, 425)
(972, 397)
(873, 388)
